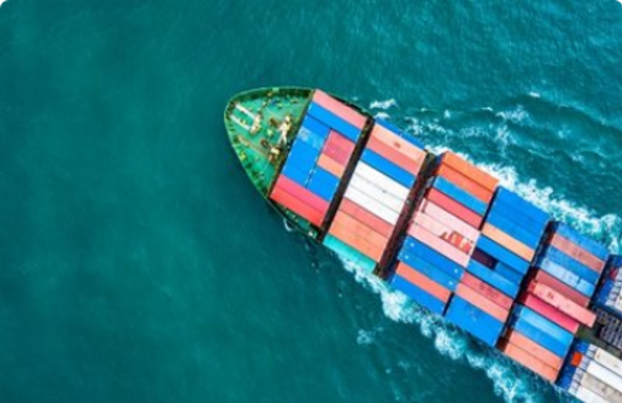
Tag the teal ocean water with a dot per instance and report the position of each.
(137, 264)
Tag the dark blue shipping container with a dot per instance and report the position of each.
(414, 248)
(502, 254)
(595, 248)
(557, 256)
(529, 223)
(566, 276)
(490, 277)
(317, 127)
(526, 208)
(552, 329)
(508, 273)
(418, 295)
(473, 320)
(540, 337)
(388, 168)
(459, 195)
(514, 227)
(446, 280)
(323, 184)
(390, 127)
(333, 121)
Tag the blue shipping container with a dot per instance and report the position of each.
(459, 195)
(529, 223)
(433, 272)
(295, 174)
(526, 208)
(508, 273)
(552, 329)
(595, 248)
(310, 138)
(333, 121)
(488, 276)
(414, 248)
(514, 227)
(502, 254)
(315, 126)
(473, 320)
(566, 276)
(406, 136)
(540, 337)
(323, 184)
(417, 294)
(557, 256)
(388, 168)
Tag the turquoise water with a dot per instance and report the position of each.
(139, 265)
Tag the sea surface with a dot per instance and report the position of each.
(138, 264)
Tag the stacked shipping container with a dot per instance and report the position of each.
(609, 295)
(318, 158)
(376, 195)
(592, 374)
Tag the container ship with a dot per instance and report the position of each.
(440, 230)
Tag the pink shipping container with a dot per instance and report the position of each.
(366, 217)
(577, 253)
(445, 217)
(483, 303)
(487, 291)
(549, 312)
(545, 278)
(562, 303)
(444, 232)
(392, 140)
(436, 243)
(305, 195)
(340, 109)
(394, 156)
(297, 206)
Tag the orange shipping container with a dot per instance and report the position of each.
(362, 230)
(483, 303)
(508, 242)
(394, 155)
(404, 146)
(423, 282)
(534, 349)
(527, 360)
(487, 181)
(444, 232)
(563, 303)
(331, 165)
(577, 253)
(465, 183)
(576, 359)
(487, 291)
(436, 243)
(366, 217)
(361, 244)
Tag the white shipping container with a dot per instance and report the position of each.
(601, 389)
(379, 178)
(588, 396)
(375, 193)
(371, 205)
(605, 375)
(608, 361)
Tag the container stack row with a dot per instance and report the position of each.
(376, 195)
(553, 305)
(318, 158)
(440, 240)
(592, 374)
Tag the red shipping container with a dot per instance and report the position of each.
(444, 232)
(487, 291)
(533, 348)
(394, 156)
(577, 253)
(576, 359)
(457, 163)
(303, 194)
(562, 303)
(297, 206)
(422, 281)
(455, 208)
(366, 217)
(465, 183)
(529, 361)
(483, 303)
(436, 243)
(359, 243)
(360, 229)
(340, 109)
(404, 146)
(331, 165)
(334, 148)
(448, 219)
(574, 295)
(551, 313)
